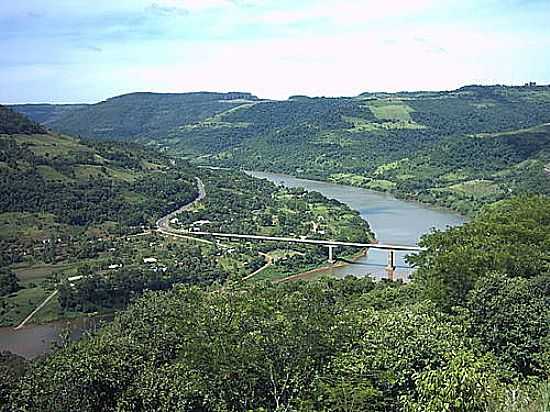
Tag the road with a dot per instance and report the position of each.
(163, 224)
(268, 264)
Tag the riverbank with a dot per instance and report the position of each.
(394, 221)
(408, 197)
(34, 340)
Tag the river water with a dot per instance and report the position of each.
(393, 221)
(34, 340)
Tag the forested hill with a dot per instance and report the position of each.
(55, 185)
(460, 149)
(134, 115)
(12, 122)
(333, 345)
(46, 114)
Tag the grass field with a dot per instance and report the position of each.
(478, 188)
(362, 125)
(28, 226)
(15, 307)
(390, 110)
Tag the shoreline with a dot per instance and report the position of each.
(434, 206)
(311, 272)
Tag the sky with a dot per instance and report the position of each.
(69, 51)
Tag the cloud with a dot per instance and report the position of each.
(273, 48)
(348, 11)
(188, 6)
(167, 10)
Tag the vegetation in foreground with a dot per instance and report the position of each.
(436, 344)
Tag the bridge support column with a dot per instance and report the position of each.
(331, 258)
(391, 264)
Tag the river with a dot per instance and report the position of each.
(393, 221)
(34, 340)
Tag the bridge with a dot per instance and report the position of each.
(330, 244)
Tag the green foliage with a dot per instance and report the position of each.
(143, 114)
(46, 113)
(12, 367)
(300, 346)
(510, 317)
(126, 187)
(429, 135)
(116, 290)
(467, 383)
(14, 123)
(8, 282)
(241, 349)
(383, 366)
(349, 345)
(512, 238)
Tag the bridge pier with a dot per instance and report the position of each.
(390, 269)
(331, 258)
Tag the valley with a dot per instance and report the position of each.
(459, 149)
(274, 206)
(88, 210)
(97, 232)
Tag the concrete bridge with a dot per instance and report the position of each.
(330, 244)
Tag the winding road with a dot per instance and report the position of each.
(163, 227)
(163, 224)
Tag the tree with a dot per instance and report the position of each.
(510, 316)
(8, 282)
(512, 237)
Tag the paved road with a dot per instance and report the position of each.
(163, 224)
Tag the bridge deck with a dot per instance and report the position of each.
(399, 248)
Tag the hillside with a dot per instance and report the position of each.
(438, 147)
(71, 207)
(459, 149)
(63, 200)
(46, 114)
(333, 345)
(135, 115)
(12, 122)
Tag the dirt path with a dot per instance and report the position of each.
(268, 264)
(50, 297)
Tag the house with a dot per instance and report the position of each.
(201, 222)
(150, 260)
(115, 266)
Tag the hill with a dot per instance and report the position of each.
(86, 208)
(12, 122)
(421, 145)
(135, 115)
(332, 345)
(46, 114)
(460, 149)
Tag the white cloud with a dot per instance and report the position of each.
(194, 5)
(349, 11)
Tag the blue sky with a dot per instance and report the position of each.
(89, 50)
